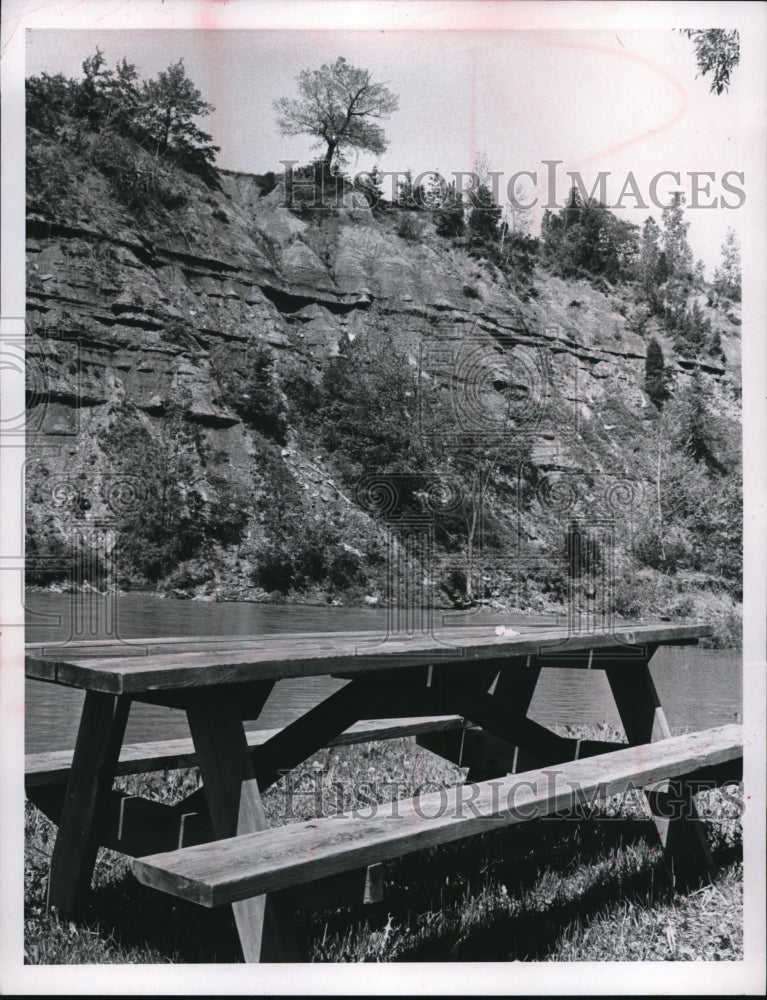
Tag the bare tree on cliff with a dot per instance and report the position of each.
(338, 104)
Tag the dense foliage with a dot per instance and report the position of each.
(128, 116)
(584, 237)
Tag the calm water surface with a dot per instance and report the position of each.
(698, 687)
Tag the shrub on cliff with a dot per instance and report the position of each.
(367, 413)
(159, 114)
(250, 386)
(171, 523)
(584, 238)
(140, 181)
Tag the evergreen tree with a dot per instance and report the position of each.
(656, 378)
(572, 211)
(675, 245)
(698, 432)
(483, 219)
(727, 277)
(649, 254)
(406, 194)
(450, 219)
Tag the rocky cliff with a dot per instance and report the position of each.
(192, 356)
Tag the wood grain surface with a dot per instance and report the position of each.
(240, 867)
(351, 654)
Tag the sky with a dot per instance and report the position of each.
(618, 101)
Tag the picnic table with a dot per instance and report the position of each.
(465, 691)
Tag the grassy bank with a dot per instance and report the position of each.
(546, 890)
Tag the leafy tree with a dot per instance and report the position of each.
(108, 99)
(649, 254)
(49, 101)
(656, 377)
(450, 218)
(169, 106)
(717, 52)
(159, 114)
(483, 219)
(367, 415)
(727, 276)
(339, 105)
(675, 245)
(518, 216)
(249, 385)
(586, 237)
(173, 523)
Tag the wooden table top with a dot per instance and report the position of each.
(137, 666)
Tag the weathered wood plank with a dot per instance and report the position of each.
(334, 654)
(151, 646)
(682, 838)
(235, 808)
(240, 867)
(638, 703)
(315, 728)
(41, 769)
(102, 724)
(133, 825)
(485, 753)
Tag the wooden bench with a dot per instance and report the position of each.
(135, 826)
(267, 861)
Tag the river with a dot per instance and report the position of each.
(698, 687)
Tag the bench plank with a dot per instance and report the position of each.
(240, 867)
(167, 755)
(296, 656)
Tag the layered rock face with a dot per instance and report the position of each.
(141, 325)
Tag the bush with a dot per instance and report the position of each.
(143, 183)
(409, 226)
(250, 386)
(367, 415)
(49, 181)
(171, 523)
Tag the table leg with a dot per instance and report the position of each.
(680, 831)
(97, 750)
(235, 806)
(512, 694)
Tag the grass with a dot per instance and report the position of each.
(546, 890)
